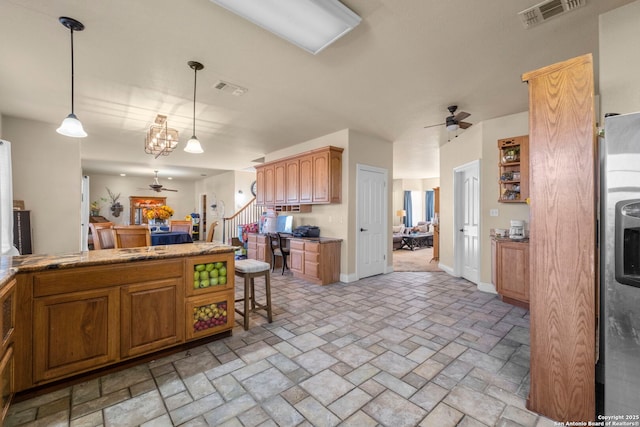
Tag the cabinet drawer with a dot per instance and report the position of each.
(295, 244)
(85, 278)
(214, 273)
(209, 314)
(311, 256)
(310, 268)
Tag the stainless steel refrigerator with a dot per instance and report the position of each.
(619, 366)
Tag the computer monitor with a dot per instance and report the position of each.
(284, 224)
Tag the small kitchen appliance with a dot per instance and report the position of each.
(517, 229)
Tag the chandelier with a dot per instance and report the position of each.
(161, 139)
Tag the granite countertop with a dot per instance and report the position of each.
(9, 266)
(317, 239)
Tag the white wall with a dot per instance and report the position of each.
(47, 175)
(182, 201)
(619, 61)
(479, 142)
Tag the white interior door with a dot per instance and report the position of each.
(371, 226)
(467, 196)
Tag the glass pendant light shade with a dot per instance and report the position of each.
(72, 127)
(193, 146)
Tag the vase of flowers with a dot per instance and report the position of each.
(158, 215)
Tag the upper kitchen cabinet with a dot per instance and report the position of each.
(313, 177)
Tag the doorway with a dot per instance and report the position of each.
(466, 208)
(371, 220)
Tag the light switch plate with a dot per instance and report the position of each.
(493, 212)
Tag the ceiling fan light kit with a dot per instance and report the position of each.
(193, 145)
(309, 24)
(454, 121)
(156, 186)
(71, 126)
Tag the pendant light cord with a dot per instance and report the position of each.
(195, 81)
(72, 73)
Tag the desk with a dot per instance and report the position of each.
(170, 238)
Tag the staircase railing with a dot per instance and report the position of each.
(248, 214)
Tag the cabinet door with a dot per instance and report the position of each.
(306, 179)
(296, 256)
(8, 317)
(312, 259)
(75, 332)
(321, 178)
(269, 185)
(152, 316)
(280, 183)
(293, 181)
(6, 382)
(209, 314)
(260, 186)
(512, 270)
(252, 246)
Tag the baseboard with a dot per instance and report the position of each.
(446, 269)
(347, 278)
(487, 287)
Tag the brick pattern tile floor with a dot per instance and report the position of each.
(401, 349)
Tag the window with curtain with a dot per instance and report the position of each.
(408, 208)
(417, 213)
(428, 205)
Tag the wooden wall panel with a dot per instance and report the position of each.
(562, 247)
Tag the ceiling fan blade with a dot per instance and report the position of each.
(167, 189)
(462, 115)
(432, 126)
(464, 125)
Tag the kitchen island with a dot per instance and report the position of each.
(71, 314)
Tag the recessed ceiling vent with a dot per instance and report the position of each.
(548, 9)
(227, 87)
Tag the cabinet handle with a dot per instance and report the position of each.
(462, 229)
(363, 229)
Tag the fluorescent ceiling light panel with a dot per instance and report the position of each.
(309, 24)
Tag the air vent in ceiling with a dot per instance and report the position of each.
(227, 87)
(548, 9)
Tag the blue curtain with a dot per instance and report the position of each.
(408, 221)
(428, 206)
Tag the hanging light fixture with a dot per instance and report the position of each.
(71, 126)
(193, 145)
(161, 140)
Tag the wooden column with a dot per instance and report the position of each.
(562, 230)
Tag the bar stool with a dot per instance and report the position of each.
(249, 269)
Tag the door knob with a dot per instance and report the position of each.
(462, 229)
(363, 229)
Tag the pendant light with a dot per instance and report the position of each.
(193, 145)
(71, 126)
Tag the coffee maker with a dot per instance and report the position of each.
(516, 231)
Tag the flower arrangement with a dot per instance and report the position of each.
(159, 212)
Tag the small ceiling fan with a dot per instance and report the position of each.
(156, 186)
(454, 121)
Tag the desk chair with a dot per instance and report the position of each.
(102, 233)
(183, 226)
(278, 246)
(131, 236)
(211, 230)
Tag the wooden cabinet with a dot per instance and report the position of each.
(306, 179)
(314, 177)
(269, 185)
(75, 332)
(513, 169)
(563, 242)
(7, 327)
(512, 271)
(292, 186)
(280, 183)
(315, 260)
(151, 316)
(78, 319)
(260, 190)
(209, 306)
(138, 204)
(258, 249)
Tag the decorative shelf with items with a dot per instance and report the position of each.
(514, 169)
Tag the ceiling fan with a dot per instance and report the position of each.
(454, 121)
(156, 186)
